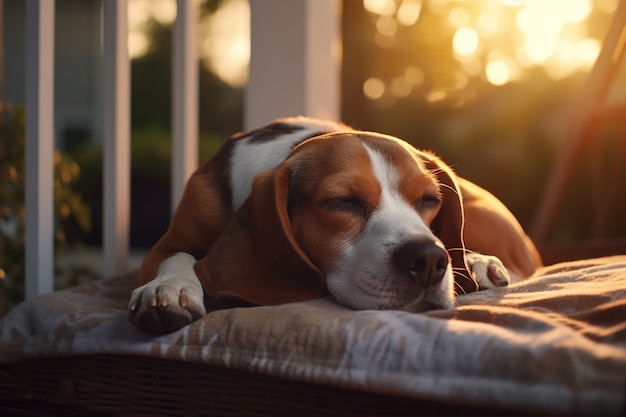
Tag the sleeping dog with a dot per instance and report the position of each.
(303, 208)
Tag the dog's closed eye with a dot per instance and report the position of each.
(351, 205)
(428, 202)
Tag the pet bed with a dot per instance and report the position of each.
(554, 344)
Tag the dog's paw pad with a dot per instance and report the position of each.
(488, 271)
(163, 308)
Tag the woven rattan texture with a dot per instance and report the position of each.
(142, 386)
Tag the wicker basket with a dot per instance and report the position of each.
(143, 386)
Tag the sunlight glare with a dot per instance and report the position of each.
(459, 17)
(588, 51)
(563, 62)
(465, 41)
(607, 6)
(140, 12)
(540, 48)
(498, 40)
(575, 11)
(540, 29)
(542, 23)
(381, 7)
(409, 12)
(438, 7)
(226, 49)
(373, 88)
(498, 72)
(138, 44)
(488, 23)
(163, 11)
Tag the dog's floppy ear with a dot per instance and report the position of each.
(257, 258)
(448, 224)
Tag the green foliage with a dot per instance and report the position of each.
(153, 143)
(68, 204)
(11, 205)
(220, 105)
(151, 152)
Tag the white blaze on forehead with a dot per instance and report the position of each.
(365, 276)
(394, 211)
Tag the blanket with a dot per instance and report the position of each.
(553, 343)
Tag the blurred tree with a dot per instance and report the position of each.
(406, 79)
(220, 110)
(220, 115)
(68, 205)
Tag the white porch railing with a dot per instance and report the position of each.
(39, 146)
(116, 137)
(294, 70)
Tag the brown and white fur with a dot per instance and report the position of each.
(303, 208)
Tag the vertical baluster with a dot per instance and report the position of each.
(295, 60)
(39, 146)
(185, 97)
(116, 137)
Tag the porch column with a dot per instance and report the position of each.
(295, 60)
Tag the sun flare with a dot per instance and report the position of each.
(500, 39)
(224, 43)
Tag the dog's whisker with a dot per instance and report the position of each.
(459, 272)
(459, 289)
(456, 250)
(454, 190)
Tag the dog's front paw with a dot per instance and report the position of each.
(488, 271)
(172, 300)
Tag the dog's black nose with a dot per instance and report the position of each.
(424, 260)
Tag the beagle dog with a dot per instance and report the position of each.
(303, 208)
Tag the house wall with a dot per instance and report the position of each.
(77, 72)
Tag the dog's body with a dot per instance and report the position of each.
(304, 207)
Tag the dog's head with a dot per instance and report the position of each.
(365, 217)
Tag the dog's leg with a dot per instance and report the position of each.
(488, 271)
(171, 300)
